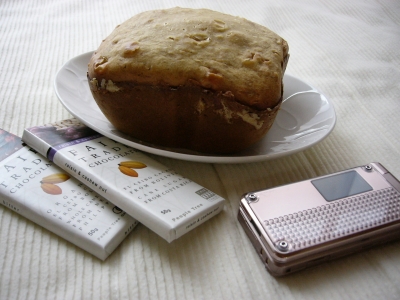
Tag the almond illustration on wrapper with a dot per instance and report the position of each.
(133, 164)
(127, 167)
(56, 178)
(51, 189)
(49, 183)
(127, 171)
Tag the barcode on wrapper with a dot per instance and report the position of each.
(207, 194)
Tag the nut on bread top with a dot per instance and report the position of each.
(181, 46)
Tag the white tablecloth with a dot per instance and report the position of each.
(347, 49)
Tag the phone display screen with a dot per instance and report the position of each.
(341, 185)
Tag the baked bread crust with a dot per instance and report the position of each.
(190, 78)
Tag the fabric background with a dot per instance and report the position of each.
(349, 50)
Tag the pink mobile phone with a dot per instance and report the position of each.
(302, 224)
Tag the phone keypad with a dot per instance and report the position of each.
(336, 219)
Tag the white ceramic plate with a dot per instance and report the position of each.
(305, 118)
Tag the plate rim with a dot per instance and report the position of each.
(223, 159)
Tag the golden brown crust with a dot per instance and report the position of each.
(181, 46)
(190, 78)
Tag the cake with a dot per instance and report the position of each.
(193, 79)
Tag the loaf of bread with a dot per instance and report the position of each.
(194, 79)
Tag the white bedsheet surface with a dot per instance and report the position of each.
(347, 49)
